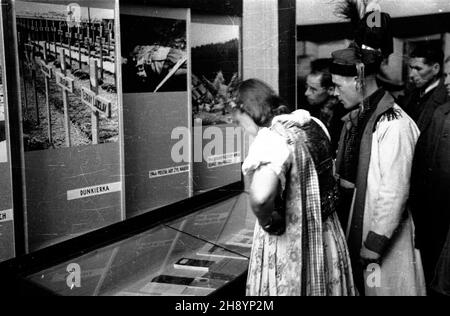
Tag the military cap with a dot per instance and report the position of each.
(347, 61)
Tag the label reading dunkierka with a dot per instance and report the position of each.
(6, 216)
(94, 191)
(169, 171)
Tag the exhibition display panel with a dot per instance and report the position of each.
(70, 118)
(7, 250)
(165, 260)
(216, 45)
(115, 121)
(157, 141)
(120, 110)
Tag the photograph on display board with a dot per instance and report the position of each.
(3, 150)
(154, 54)
(68, 73)
(215, 71)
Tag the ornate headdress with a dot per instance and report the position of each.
(372, 39)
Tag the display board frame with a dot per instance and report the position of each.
(70, 187)
(223, 167)
(7, 238)
(19, 157)
(12, 225)
(13, 271)
(150, 135)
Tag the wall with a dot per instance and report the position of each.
(260, 37)
(321, 11)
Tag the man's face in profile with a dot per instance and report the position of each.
(422, 74)
(346, 91)
(315, 93)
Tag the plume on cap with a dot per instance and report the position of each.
(352, 10)
(360, 13)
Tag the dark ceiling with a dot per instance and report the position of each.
(227, 7)
(403, 27)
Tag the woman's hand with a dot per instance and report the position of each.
(276, 226)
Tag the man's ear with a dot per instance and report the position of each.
(436, 69)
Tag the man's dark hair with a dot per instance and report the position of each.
(431, 53)
(321, 67)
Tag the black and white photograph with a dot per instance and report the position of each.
(232, 151)
(154, 54)
(68, 75)
(215, 71)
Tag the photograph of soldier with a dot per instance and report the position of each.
(155, 58)
(215, 71)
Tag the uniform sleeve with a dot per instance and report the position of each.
(396, 144)
(269, 150)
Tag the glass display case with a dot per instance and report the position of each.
(196, 255)
(225, 225)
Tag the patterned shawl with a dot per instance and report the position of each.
(292, 264)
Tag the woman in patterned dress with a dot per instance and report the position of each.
(299, 246)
